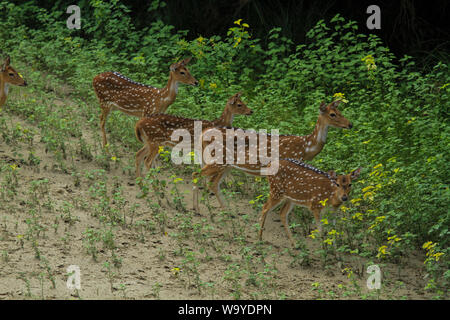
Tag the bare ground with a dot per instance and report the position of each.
(44, 232)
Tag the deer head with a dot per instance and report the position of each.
(236, 106)
(343, 185)
(180, 72)
(332, 116)
(11, 76)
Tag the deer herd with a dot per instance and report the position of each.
(294, 182)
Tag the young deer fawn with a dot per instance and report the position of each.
(156, 130)
(8, 76)
(290, 146)
(115, 91)
(301, 184)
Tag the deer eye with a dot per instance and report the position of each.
(349, 184)
(338, 184)
(332, 115)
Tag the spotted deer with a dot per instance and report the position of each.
(115, 91)
(290, 146)
(9, 76)
(157, 130)
(301, 184)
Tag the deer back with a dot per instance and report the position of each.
(301, 183)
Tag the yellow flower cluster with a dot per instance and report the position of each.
(313, 233)
(432, 255)
(239, 32)
(340, 96)
(175, 271)
(348, 271)
(256, 199)
(382, 253)
(323, 202)
(378, 220)
(176, 180)
(370, 62)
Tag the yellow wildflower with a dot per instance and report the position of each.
(340, 96)
(313, 233)
(175, 271)
(176, 180)
(201, 40)
(382, 252)
(367, 188)
(438, 255)
(358, 216)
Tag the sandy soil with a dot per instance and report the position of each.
(229, 263)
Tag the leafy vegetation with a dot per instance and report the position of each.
(401, 133)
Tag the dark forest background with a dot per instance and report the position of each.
(416, 28)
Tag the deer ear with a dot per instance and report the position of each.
(186, 61)
(6, 63)
(323, 107)
(336, 103)
(238, 95)
(332, 174)
(174, 66)
(355, 174)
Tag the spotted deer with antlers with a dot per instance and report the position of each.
(298, 183)
(9, 76)
(115, 91)
(290, 146)
(157, 130)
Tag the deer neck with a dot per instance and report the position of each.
(226, 119)
(170, 91)
(3, 91)
(316, 140)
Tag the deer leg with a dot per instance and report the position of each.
(317, 217)
(284, 214)
(268, 207)
(216, 180)
(215, 174)
(103, 116)
(152, 153)
(156, 161)
(195, 193)
(140, 155)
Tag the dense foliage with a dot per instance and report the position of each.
(401, 134)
